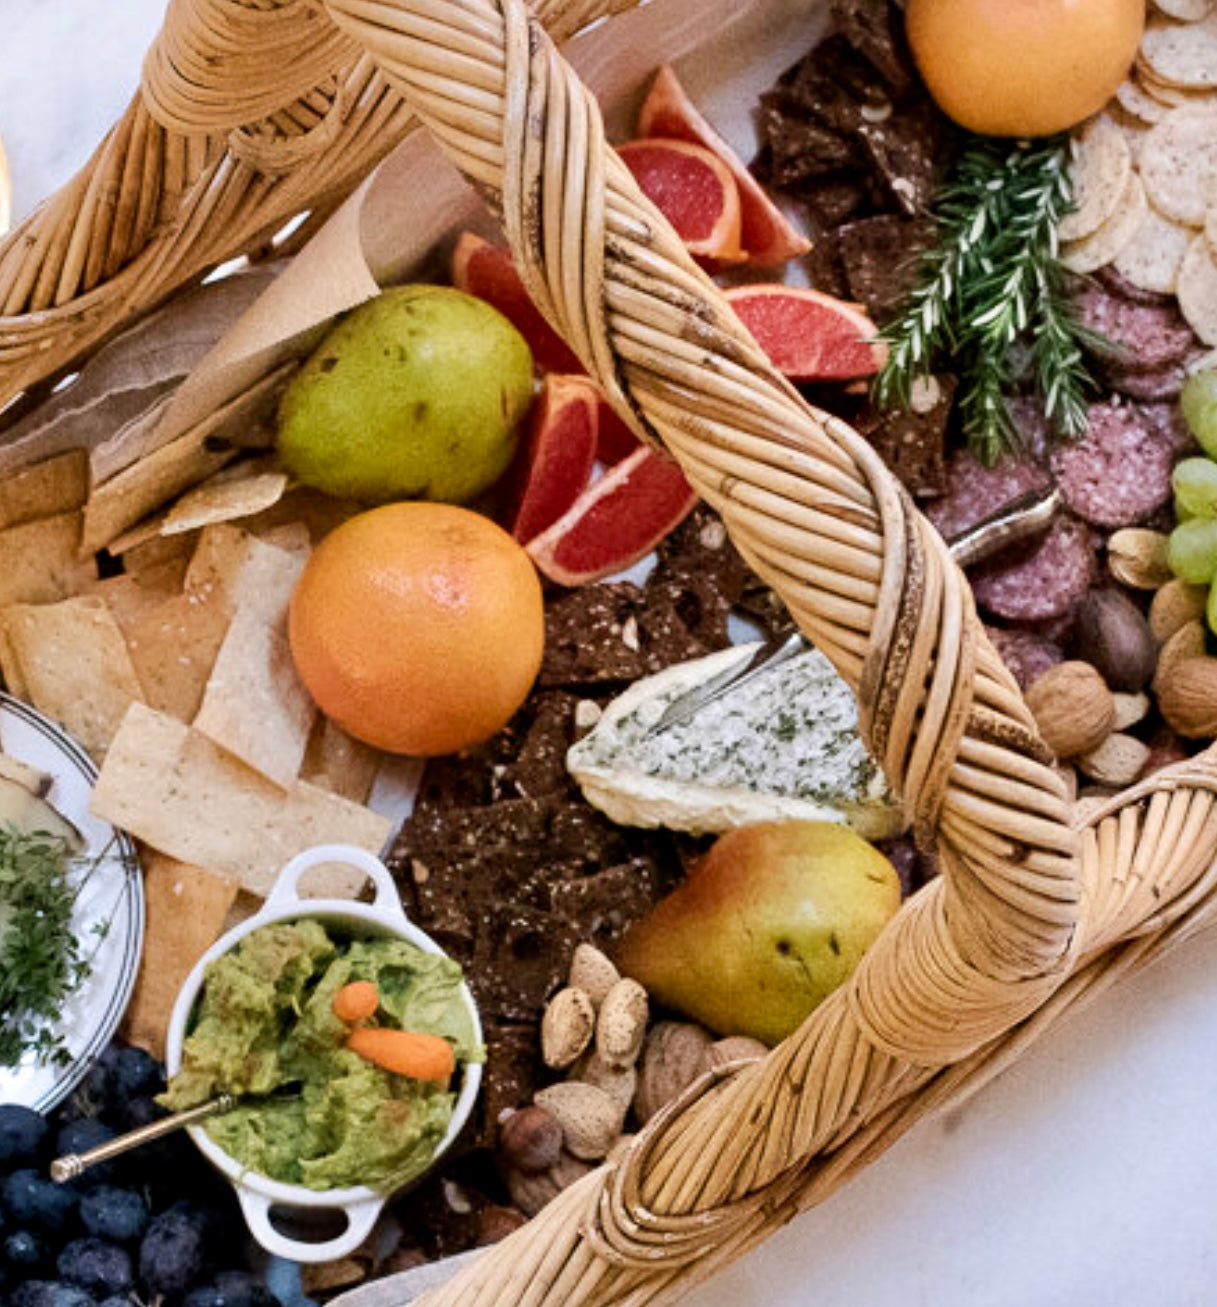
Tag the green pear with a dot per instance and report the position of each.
(417, 394)
(767, 924)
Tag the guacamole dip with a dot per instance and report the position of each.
(265, 1022)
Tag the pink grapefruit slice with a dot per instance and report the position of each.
(486, 270)
(808, 335)
(693, 189)
(554, 462)
(614, 439)
(616, 521)
(767, 236)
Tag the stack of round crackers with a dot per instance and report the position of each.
(1145, 170)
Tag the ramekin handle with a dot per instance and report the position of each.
(285, 891)
(361, 1217)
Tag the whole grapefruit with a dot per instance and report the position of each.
(418, 627)
(1023, 67)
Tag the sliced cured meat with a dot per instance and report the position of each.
(1155, 385)
(1027, 654)
(1148, 337)
(1043, 581)
(1120, 286)
(974, 491)
(1166, 421)
(1119, 472)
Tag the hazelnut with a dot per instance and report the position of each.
(1072, 707)
(495, 1223)
(530, 1139)
(1113, 635)
(531, 1190)
(1187, 697)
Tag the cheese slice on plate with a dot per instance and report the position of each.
(783, 744)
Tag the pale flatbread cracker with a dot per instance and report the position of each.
(75, 666)
(1197, 292)
(337, 761)
(185, 912)
(224, 498)
(1101, 247)
(40, 561)
(1152, 258)
(1102, 161)
(1182, 54)
(1186, 11)
(1138, 103)
(1178, 163)
(248, 570)
(255, 704)
(171, 787)
(56, 485)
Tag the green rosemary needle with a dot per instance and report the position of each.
(991, 288)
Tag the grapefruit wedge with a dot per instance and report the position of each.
(614, 439)
(554, 462)
(808, 335)
(766, 234)
(486, 270)
(694, 190)
(616, 521)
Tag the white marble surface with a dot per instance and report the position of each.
(1084, 1177)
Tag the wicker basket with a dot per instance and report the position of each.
(253, 112)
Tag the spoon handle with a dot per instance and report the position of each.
(71, 1165)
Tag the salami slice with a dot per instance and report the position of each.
(1122, 288)
(1045, 580)
(1026, 653)
(1147, 337)
(974, 491)
(1119, 473)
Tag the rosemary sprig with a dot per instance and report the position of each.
(989, 285)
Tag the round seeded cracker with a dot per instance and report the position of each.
(1151, 259)
(1139, 104)
(1178, 162)
(1101, 247)
(1182, 54)
(1197, 290)
(1101, 164)
(1186, 11)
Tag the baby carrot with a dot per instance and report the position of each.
(405, 1052)
(356, 1001)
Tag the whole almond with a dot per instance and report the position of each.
(1136, 556)
(1176, 603)
(1185, 643)
(567, 1026)
(618, 1082)
(621, 1024)
(1187, 697)
(1117, 761)
(593, 972)
(590, 1118)
(1072, 707)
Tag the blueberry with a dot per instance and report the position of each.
(49, 1293)
(111, 1213)
(26, 1252)
(31, 1199)
(173, 1252)
(97, 1266)
(284, 1280)
(140, 1111)
(22, 1134)
(244, 1289)
(135, 1074)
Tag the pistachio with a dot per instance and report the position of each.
(589, 1117)
(1175, 604)
(621, 1024)
(593, 972)
(672, 1058)
(1136, 556)
(567, 1025)
(1072, 707)
(1117, 762)
(1113, 635)
(1187, 697)
(530, 1139)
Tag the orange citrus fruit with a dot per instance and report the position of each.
(418, 627)
(1023, 67)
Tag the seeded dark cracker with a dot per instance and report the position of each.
(879, 256)
(434, 827)
(540, 766)
(511, 1076)
(520, 959)
(912, 442)
(700, 574)
(875, 31)
(606, 902)
(901, 149)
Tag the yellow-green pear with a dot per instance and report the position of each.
(766, 925)
(417, 394)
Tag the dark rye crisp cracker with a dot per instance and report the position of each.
(511, 1076)
(607, 902)
(876, 33)
(520, 959)
(880, 256)
(913, 444)
(700, 574)
(439, 828)
(540, 766)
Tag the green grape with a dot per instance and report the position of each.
(1192, 550)
(1195, 482)
(1199, 404)
(1210, 609)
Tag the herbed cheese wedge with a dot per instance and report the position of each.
(783, 744)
